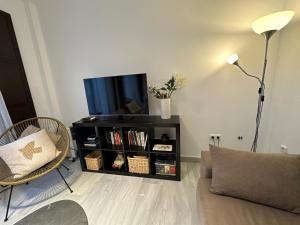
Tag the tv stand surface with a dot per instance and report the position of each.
(119, 118)
(149, 123)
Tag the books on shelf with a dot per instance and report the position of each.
(91, 141)
(162, 148)
(137, 138)
(114, 137)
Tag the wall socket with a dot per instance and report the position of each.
(284, 149)
(215, 136)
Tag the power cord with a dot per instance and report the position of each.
(218, 138)
(213, 139)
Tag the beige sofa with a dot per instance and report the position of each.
(222, 210)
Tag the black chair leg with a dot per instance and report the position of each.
(8, 204)
(64, 180)
(64, 166)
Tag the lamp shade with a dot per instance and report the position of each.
(233, 58)
(274, 21)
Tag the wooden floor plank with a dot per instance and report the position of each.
(112, 199)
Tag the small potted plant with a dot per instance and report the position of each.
(165, 92)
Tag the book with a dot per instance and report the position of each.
(160, 147)
(90, 143)
(92, 138)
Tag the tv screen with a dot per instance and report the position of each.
(117, 95)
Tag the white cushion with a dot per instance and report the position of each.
(29, 130)
(32, 129)
(29, 153)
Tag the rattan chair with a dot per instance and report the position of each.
(50, 125)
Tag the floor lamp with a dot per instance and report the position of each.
(265, 26)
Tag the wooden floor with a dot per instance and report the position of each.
(111, 199)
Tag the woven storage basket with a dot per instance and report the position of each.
(138, 165)
(93, 160)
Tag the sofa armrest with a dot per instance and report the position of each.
(206, 165)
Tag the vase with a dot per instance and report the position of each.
(165, 108)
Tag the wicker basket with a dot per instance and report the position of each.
(93, 160)
(138, 164)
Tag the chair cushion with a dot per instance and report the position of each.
(29, 130)
(32, 129)
(29, 153)
(270, 179)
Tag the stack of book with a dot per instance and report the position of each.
(137, 138)
(92, 141)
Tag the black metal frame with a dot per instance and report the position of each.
(8, 204)
(64, 166)
(62, 177)
(12, 186)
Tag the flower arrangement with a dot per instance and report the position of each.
(174, 83)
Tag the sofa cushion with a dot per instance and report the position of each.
(270, 179)
(29, 153)
(223, 210)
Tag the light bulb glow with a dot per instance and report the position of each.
(233, 58)
(274, 21)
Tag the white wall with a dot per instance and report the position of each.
(87, 38)
(284, 117)
(16, 9)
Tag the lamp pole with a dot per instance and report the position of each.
(266, 26)
(261, 90)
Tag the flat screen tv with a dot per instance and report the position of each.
(117, 95)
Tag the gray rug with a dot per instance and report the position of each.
(65, 212)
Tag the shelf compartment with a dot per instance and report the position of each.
(83, 154)
(138, 163)
(163, 165)
(135, 139)
(109, 158)
(158, 141)
(93, 161)
(82, 133)
(111, 138)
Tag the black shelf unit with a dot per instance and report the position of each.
(104, 124)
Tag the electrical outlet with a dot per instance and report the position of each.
(215, 136)
(284, 149)
(218, 136)
(212, 136)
